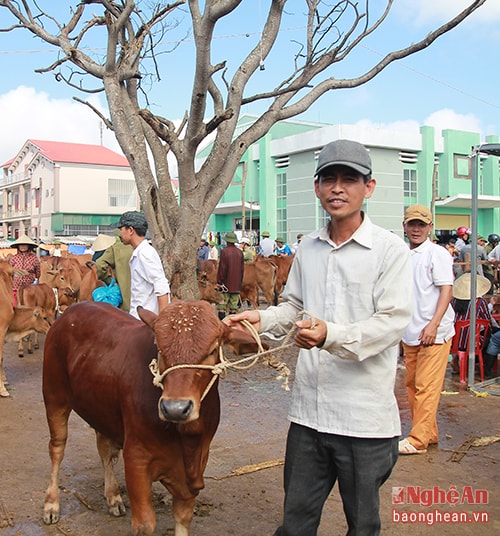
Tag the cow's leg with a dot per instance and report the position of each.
(28, 344)
(20, 348)
(139, 485)
(183, 514)
(36, 342)
(58, 425)
(3, 377)
(110, 453)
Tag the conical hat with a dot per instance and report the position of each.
(103, 242)
(24, 239)
(461, 287)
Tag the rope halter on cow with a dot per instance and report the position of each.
(221, 368)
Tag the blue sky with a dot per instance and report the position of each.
(455, 83)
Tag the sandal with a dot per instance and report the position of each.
(405, 447)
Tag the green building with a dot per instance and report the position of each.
(273, 186)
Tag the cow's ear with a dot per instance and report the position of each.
(240, 341)
(148, 317)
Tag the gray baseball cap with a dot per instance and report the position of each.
(134, 219)
(346, 153)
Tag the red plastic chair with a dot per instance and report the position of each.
(463, 355)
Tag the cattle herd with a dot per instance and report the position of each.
(164, 433)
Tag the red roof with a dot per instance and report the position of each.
(80, 153)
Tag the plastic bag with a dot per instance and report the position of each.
(109, 294)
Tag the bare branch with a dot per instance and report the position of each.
(103, 118)
(163, 128)
(61, 78)
(126, 58)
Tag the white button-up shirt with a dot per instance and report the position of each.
(147, 279)
(362, 290)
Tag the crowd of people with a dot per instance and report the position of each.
(365, 290)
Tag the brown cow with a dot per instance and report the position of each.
(40, 295)
(6, 314)
(70, 273)
(207, 281)
(62, 272)
(89, 282)
(14, 322)
(24, 322)
(165, 435)
(257, 276)
(27, 320)
(283, 264)
(51, 273)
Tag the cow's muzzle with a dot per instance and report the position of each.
(176, 410)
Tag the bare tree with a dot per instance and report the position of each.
(129, 33)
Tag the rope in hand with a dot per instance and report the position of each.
(221, 368)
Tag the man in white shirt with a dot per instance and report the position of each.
(214, 252)
(149, 288)
(267, 245)
(427, 339)
(352, 279)
(296, 244)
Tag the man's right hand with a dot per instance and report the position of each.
(252, 316)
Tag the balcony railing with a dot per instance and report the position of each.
(13, 214)
(17, 178)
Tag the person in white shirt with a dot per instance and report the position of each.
(267, 245)
(56, 250)
(214, 252)
(149, 288)
(352, 279)
(428, 337)
(296, 244)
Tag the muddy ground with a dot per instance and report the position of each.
(252, 432)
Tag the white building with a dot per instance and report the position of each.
(64, 189)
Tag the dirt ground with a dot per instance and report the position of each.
(252, 431)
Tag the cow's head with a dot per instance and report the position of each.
(41, 322)
(207, 285)
(65, 298)
(189, 337)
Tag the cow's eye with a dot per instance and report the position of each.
(212, 355)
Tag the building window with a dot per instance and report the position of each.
(462, 167)
(122, 193)
(410, 182)
(281, 216)
(37, 197)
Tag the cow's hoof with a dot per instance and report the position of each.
(20, 354)
(50, 516)
(30, 351)
(118, 509)
(4, 393)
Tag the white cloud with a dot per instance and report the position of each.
(425, 11)
(449, 119)
(441, 120)
(27, 114)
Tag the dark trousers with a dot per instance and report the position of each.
(315, 461)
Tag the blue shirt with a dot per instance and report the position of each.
(283, 250)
